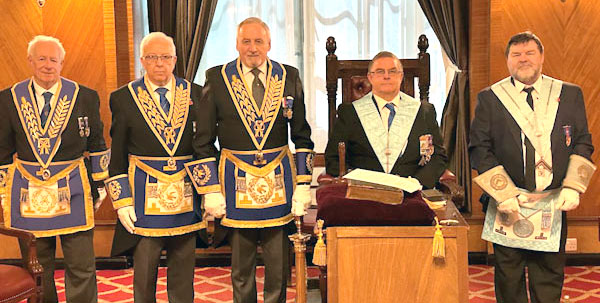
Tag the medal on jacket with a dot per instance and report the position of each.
(425, 148)
(567, 130)
(84, 128)
(288, 103)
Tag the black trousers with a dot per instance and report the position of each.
(80, 266)
(545, 272)
(180, 268)
(275, 246)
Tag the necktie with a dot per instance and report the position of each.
(258, 89)
(529, 152)
(164, 103)
(390, 106)
(46, 109)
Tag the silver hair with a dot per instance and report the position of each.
(255, 20)
(156, 35)
(43, 38)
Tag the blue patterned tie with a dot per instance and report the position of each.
(390, 106)
(46, 109)
(164, 103)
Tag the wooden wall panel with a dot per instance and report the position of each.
(87, 30)
(569, 30)
(20, 22)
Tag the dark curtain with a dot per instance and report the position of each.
(449, 19)
(188, 22)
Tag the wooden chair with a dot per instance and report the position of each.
(353, 75)
(20, 283)
(355, 85)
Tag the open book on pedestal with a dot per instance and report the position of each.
(377, 186)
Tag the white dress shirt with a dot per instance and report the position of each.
(384, 111)
(249, 76)
(541, 181)
(39, 98)
(170, 86)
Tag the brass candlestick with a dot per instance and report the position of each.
(299, 239)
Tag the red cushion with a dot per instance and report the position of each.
(15, 283)
(337, 210)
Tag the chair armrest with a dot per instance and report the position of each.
(324, 178)
(31, 261)
(449, 186)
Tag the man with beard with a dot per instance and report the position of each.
(531, 146)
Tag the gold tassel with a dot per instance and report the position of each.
(439, 246)
(320, 251)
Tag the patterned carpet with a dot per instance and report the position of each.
(213, 285)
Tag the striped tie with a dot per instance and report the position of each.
(46, 109)
(164, 103)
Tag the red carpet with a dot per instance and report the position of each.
(213, 284)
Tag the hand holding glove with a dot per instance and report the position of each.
(568, 199)
(509, 206)
(214, 204)
(301, 200)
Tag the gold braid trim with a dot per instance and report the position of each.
(58, 119)
(272, 95)
(180, 106)
(30, 119)
(151, 110)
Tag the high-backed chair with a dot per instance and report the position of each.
(353, 75)
(20, 283)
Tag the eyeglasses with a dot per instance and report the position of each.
(154, 58)
(391, 72)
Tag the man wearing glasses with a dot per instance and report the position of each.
(153, 121)
(387, 130)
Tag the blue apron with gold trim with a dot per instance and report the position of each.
(163, 195)
(60, 205)
(165, 201)
(45, 197)
(257, 195)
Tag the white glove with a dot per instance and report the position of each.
(509, 206)
(301, 200)
(568, 199)
(214, 204)
(127, 217)
(98, 202)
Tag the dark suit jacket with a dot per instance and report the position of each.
(131, 135)
(496, 136)
(14, 140)
(218, 118)
(360, 154)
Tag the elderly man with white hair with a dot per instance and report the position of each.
(153, 121)
(49, 123)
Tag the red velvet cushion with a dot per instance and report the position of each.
(337, 210)
(15, 282)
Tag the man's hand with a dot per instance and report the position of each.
(301, 200)
(127, 217)
(214, 204)
(568, 199)
(98, 202)
(509, 206)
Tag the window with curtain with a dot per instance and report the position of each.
(299, 30)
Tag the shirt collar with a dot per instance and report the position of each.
(537, 85)
(40, 90)
(262, 68)
(153, 86)
(382, 102)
